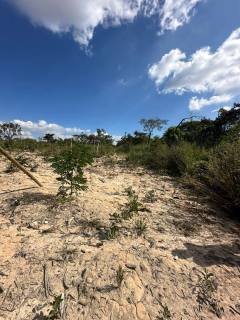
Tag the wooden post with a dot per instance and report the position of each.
(17, 164)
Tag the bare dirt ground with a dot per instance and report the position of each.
(49, 250)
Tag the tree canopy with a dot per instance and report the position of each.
(10, 130)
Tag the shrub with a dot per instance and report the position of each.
(150, 197)
(138, 154)
(69, 166)
(112, 232)
(175, 160)
(223, 174)
(205, 290)
(183, 158)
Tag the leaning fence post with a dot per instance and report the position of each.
(17, 164)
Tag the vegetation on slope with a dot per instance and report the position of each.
(201, 151)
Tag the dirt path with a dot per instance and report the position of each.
(49, 250)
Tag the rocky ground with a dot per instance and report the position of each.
(59, 261)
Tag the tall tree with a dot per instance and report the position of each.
(149, 125)
(49, 137)
(10, 130)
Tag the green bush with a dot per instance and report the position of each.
(183, 158)
(138, 154)
(175, 160)
(223, 173)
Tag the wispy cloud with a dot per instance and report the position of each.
(122, 82)
(81, 17)
(176, 13)
(216, 73)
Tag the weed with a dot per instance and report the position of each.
(55, 312)
(119, 276)
(132, 207)
(150, 197)
(130, 191)
(140, 226)
(112, 232)
(205, 289)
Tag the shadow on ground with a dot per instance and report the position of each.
(32, 198)
(209, 255)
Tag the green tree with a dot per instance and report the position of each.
(69, 166)
(172, 136)
(49, 137)
(149, 125)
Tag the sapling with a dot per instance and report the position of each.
(69, 166)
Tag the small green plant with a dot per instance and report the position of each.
(150, 197)
(112, 232)
(132, 207)
(165, 314)
(205, 289)
(140, 226)
(69, 166)
(130, 191)
(55, 313)
(119, 276)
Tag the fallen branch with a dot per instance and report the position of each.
(17, 164)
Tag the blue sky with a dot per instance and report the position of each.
(53, 68)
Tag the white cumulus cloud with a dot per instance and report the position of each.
(217, 73)
(227, 108)
(81, 17)
(198, 103)
(37, 129)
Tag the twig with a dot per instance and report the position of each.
(45, 281)
(6, 294)
(234, 310)
(62, 306)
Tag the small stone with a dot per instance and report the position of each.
(89, 280)
(46, 229)
(33, 225)
(144, 267)
(131, 266)
(83, 301)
